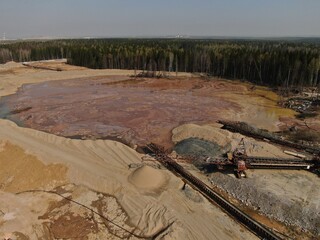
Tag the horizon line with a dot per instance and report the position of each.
(178, 36)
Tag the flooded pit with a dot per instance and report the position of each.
(133, 111)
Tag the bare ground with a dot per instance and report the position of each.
(95, 175)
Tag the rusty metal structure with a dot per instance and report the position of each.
(241, 162)
(214, 197)
(234, 126)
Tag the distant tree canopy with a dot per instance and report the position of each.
(273, 63)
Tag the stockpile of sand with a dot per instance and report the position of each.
(227, 141)
(257, 148)
(148, 178)
(211, 133)
(10, 65)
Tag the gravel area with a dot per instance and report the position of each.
(291, 197)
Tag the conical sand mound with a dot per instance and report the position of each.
(148, 178)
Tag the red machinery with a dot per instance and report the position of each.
(241, 161)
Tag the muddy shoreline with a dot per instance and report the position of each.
(131, 111)
(134, 112)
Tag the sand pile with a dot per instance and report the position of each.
(148, 178)
(226, 141)
(201, 141)
(211, 133)
(9, 65)
(257, 148)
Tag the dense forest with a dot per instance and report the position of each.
(267, 62)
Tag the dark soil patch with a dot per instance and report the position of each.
(198, 148)
(305, 115)
(305, 135)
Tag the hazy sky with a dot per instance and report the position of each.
(109, 18)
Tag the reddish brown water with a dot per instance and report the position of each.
(132, 111)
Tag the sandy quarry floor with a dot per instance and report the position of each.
(40, 173)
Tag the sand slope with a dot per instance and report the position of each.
(103, 166)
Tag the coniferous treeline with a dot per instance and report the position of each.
(273, 63)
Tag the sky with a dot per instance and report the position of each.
(138, 18)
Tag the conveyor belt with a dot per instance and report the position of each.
(211, 195)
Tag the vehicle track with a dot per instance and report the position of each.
(257, 228)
